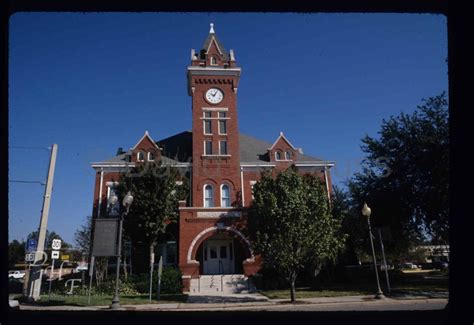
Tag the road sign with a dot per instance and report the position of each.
(64, 257)
(31, 245)
(29, 257)
(54, 255)
(56, 244)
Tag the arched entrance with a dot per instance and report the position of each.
(222, 253)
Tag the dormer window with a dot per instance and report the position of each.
(213, 60)
(278, 155)
(288, 155)
(140, 156)
(151, 156)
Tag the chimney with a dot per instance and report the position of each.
(120, 151)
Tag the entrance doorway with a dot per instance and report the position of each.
(218, 256)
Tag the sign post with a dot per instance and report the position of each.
(56, 246)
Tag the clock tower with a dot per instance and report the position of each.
(213, 79)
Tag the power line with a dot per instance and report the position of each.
(18, 147)
(18, 181)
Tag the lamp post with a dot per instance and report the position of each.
(127, 201)
(366, 212)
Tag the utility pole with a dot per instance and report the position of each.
(36, 271)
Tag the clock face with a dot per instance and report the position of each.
(214, 96)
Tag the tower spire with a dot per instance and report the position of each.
(211, 31)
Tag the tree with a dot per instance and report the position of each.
(290, 224)
(16, 253)
(156, 189)
(82, 236)
(405, 175)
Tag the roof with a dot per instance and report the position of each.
(178, 148)
(253, 150)
(207, 42)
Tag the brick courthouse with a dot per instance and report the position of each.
(223, 165)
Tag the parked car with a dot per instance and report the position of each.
(80, 268)
(16, 274)
(409, 266)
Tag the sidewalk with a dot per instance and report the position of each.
(259, 302)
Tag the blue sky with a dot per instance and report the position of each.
(94, 82)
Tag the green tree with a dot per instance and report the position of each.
(405, 176)
(156, 189)
(82, 236)
(16, 253)
(290, 224)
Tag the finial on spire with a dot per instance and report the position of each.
(212, 29)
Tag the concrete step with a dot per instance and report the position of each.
(221, 284)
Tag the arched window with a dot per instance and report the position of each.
(151, 156)
(140, 156)
(208, 196)
(213, 60)
(288, 155)
(278, 155)
(225, 196)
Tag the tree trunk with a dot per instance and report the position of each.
(292, 289)
(152, 258)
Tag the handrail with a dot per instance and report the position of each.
(199, 283)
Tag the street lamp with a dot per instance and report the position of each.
(366, 212)
(127, 201)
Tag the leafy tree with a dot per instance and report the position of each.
(290, 224)
(16, 253)
(405, 176)
(82, 236)
(156, 189)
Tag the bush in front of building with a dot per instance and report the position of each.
(171, 281)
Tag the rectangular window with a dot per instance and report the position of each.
(222, 123)
(223, 147)
(223, 252)
(207, 114)
(252, 183)
(222, 127)
(207, 127)
(208, 148)
(213, 252)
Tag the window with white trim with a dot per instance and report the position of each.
(252, 183)
(207, 123)
(208, 147)
(222, 123)
(213, 60)
(208, 196)
(278, 155)
(151, 156)
(225, 196)
(223, 147)
(113, 210)
(288, 155)
(140, 156)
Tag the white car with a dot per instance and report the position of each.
(81, 268)
(16, 274)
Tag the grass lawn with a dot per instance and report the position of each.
(77, 300)
(338, 290)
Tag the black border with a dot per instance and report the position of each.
(460, 301)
